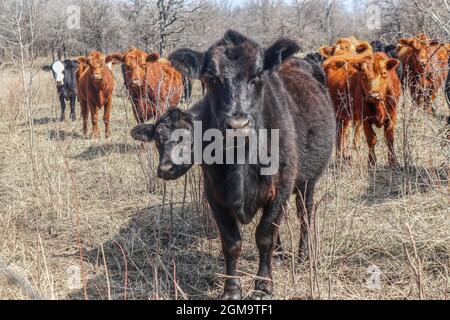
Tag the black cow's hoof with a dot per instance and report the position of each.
(73, 117)
(63, 118)
(263, 290)
(230, 295)
(259, 295)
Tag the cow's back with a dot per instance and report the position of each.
(313, 117)
(165, 85)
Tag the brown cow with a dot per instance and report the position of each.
(346, 46)
(152, 83)
(374, 88)
(425, 68)
(95, 89)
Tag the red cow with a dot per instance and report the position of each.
(152, 83)
(425, 68)
(345, 46)
(95, 90)
(375, 90)
(348, 47)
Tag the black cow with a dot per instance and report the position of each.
(66, 84)
(391, 51)
(251, 89)
(185, 61)
(313, 67)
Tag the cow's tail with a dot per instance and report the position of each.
(188, 62)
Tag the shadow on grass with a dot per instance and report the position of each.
(387, 184)
(44, 121)
(96, 152)
(155, 250)
(61, 135)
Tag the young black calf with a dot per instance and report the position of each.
(251, 88)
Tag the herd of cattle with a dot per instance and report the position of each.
(313, 101)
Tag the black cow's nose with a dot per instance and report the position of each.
(237, 123)
(165, 169)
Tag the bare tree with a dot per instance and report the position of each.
(173, 19)
(18, 24)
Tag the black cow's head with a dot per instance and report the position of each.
(315, 57)
(234, 71)
(161, 133)
(64, 74)
(378, 46)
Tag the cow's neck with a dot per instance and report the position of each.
(241, 190)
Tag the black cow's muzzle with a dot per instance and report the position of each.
(237, 123)
(241, 125)
(167, 171)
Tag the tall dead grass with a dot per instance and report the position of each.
(96, 223)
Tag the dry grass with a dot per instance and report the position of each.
(141, 238)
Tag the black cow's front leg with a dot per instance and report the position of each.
(232, 247)
(62, 102)
(266, 240)
(73, 115)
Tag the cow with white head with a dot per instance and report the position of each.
(66, 84)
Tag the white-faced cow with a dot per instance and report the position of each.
(66, 84)
(251, 88)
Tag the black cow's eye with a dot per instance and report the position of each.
(259, 73)
(256, 78)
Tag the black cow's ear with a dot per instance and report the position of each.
(276, 54)
(235, 37)
(47, 67)
(144, 133)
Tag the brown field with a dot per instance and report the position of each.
(67, 202)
